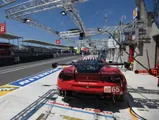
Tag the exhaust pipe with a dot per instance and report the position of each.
(102, 96)
(73, 93)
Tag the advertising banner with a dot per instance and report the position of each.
(2, 28)
(135, 13)
(57, 42)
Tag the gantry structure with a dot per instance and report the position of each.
(21, 12)
(4, 3)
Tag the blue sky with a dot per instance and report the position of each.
(92, 13)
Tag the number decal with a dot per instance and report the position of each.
(113, 89)
(117, 89)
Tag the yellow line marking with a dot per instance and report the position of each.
(40, 117)
(132, 114)
(5, 89)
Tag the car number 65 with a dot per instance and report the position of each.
(115, 89)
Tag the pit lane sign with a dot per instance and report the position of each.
(57, 42)
(2, 28)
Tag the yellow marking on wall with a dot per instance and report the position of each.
(70, 118)
(5, 89)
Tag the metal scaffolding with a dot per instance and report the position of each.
(34, 23)
(19, 11)
(74, 15)
(22, 11)
(89, 32)
(6, 2)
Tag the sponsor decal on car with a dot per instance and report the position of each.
(5, 89)
(111, 89)
(29, 80)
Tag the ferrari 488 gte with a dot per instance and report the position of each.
(92, 77)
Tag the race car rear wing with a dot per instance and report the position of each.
(125, 64)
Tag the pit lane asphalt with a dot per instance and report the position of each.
(14, 72)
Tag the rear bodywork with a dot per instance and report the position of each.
(104, 81)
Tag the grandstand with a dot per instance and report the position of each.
(29, 50)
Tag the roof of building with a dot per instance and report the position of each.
(9, 36)
(43, 43)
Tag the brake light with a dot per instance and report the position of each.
(111, 78)
(66, 76)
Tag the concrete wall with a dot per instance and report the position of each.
(154, 30)
(141, 54)
(147, 47)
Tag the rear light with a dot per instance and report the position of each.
(112, 78)
(66, 76)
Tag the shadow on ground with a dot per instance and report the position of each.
(141, 102)
(107, 105)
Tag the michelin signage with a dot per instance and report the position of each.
(29, 80)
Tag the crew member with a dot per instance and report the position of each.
(157, 67)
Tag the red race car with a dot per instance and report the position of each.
(92, 77)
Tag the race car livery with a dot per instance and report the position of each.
(92, 77)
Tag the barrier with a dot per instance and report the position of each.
(150, 71)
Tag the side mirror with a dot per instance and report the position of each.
(54, 65)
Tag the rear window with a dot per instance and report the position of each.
(89, 66)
